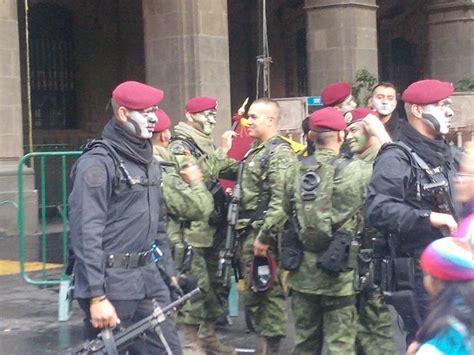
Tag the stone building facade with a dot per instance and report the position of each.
(60, 59)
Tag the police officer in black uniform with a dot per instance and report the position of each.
(410, 196)
(116, 226)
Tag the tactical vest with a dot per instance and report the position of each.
(313, 202)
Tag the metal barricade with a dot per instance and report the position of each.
(43, 278)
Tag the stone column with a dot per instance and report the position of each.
(187, 53)
(11, 130)
(451, 41)
(341, 39)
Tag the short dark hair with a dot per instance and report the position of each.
(324, 138)
(385, 84)
(270, 102)
(305, 125)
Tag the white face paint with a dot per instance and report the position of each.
(384, 107)
(439, 116)
(141, 123)
(205, 121)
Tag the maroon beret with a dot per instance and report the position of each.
(163, 123)
(201, 103)
(358, 114)
(136, 96)
(327, 119)
(335, 93)
(425, 92)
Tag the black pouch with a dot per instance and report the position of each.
(335, 258)
(404, 273)
(291, 249)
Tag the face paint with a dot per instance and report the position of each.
(438, 116)
(347, 105)
(357, 137)
(205, 121)
(383, 106)
(141, 123)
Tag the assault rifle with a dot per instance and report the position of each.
(228, 256)
(108, 343)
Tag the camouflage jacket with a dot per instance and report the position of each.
(348, 196)
(200, 233)
(184, 202)
(265, 183)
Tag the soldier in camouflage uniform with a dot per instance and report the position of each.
(193, 144)
(186, 195)
(262, 216)
(323, 301)
(365, 135)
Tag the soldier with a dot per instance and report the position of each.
(262, 216)
(410, 194)
(115, 218)
(339, 96)
(326, 194)
(193, 144)
(365, 135)
(186, 196)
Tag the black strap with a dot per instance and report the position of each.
(128, 260)
(261, 210)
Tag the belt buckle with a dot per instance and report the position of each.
(126, 260)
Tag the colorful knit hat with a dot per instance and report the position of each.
(449, 259)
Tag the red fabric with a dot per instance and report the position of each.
(201, 103)
(163, 123)
(137, 96)
(335, 93)
(240, 146)
(358, 114)
(425, 92)
(327, 119)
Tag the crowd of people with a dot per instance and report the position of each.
(365, 217)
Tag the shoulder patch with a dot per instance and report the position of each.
(178, 149)
(95, 176)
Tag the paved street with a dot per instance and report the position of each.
(28, 323)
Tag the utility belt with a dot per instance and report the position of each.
(133, 260)
(128, 260)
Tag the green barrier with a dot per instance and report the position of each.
(43, 280)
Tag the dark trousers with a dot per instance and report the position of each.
(130, 312)
(422, 300)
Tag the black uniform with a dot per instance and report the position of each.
(111, 216)
(398, 205)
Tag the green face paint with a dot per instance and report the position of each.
(205, 121)
(357, 137)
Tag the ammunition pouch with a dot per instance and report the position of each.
(291, 249)
(341, 255)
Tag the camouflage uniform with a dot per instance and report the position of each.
(374, 330)
(269, 308)
(183, 202)
(209, 306)
(323, 302)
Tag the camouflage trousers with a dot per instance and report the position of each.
(209, 304)
(268, 309)
(374, 331)
(324, 320)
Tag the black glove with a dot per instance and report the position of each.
(187, 282)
